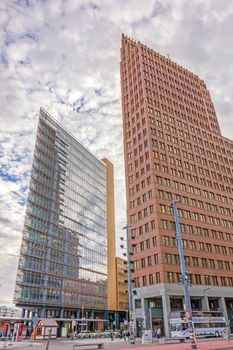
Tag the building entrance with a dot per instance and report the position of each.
(157, 323)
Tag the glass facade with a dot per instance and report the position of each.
(63, 258)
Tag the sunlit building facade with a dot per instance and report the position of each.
(122, 285)
(62, 269)
(174, 149)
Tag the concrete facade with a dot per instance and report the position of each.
(167, 292)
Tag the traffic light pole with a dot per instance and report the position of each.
(184, 277)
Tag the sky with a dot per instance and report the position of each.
(64, 55)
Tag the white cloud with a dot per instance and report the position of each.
(56, 53)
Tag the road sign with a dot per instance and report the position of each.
(187, 314)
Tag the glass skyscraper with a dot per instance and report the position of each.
(63, 259)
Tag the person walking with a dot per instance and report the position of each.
(158, 333)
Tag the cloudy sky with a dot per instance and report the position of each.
(64, 55)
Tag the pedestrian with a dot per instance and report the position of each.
(124, 335)
(112, 335)
(158, 333)
(154, 333)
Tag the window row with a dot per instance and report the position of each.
(173, 277)
(193, 261)
(143, 229)
(141, 214)
(195, 190)
(168, 241)
(195, 216)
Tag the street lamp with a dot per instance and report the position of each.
(130, 291)
(184, 277)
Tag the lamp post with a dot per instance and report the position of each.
(184, 277)
(130, 292)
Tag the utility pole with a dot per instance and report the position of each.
(184, 277)
(130, 292)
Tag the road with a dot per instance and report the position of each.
(118, 344)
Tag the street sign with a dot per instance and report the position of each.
(187, 314)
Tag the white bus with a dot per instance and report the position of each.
(205, 323)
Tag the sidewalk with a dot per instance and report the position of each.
(117, 344)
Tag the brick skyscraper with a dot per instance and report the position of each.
(174, 150)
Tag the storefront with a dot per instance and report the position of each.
(45, 328)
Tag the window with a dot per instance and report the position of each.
(141, 246)
(207, 280)
(162, 208)
(223, 281)
(156, 259)
(167, 258)
(204, 262)
(197, 279)
(157, 277)
(154, 241)
(151, 280)
(166, 241)
(133, 218)
(195, 261)
(144, 282)
(170, 277)
(212, 263)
